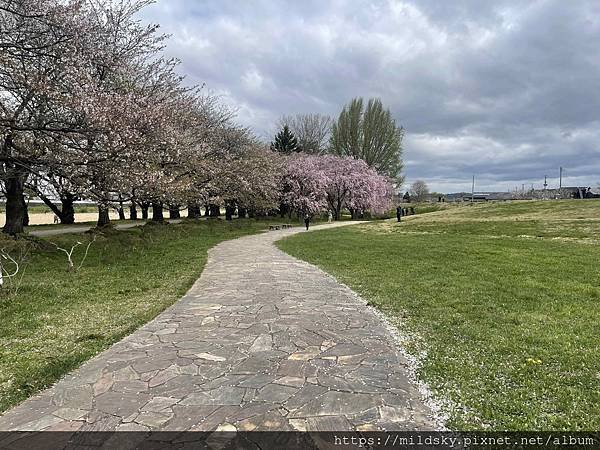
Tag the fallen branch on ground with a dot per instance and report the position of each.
(69, 253)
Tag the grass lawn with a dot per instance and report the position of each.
(504, 299)
(59, 319)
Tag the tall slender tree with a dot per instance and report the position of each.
(370, 134)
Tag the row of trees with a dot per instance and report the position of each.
(90, 108)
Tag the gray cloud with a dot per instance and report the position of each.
(505, 90)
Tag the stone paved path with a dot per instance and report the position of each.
(262, 341)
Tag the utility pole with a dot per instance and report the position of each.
(545, 181)
(560, 179)
(473, 190)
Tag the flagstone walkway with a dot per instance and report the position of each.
(262, 341)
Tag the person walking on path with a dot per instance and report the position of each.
(399, 213)
(306, 220)
(329, 216)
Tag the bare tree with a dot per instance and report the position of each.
(419, 191)
(311, 130)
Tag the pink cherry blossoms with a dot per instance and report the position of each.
(315, 183)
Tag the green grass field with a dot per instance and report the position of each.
(59, 319)
(504, 298)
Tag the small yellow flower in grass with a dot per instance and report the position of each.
(534, 361)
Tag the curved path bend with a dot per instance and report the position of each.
(262, 341)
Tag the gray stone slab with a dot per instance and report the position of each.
(328, 423)
(119, 404)
(186, 417)
(333, 403)
(304, 395)
(275, 393)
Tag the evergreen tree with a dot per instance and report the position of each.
(285, 142)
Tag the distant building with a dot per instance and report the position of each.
(566, 192)
(576, 192)
(481, 196)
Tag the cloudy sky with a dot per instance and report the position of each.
(506, 90)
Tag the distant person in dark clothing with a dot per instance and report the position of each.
(399, 213)
(306, 221)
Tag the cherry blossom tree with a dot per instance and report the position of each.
(305, 185)
(64, 89)
(38, 47)
(313, 183)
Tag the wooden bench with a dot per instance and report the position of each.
(282, 226)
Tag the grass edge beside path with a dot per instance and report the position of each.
(510, 323)
(59, 320)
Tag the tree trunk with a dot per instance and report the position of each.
(103, 217)
(251, 213)
(15, 203)
(144, 207)
(337, 213)
(206, 211)
(120, 209)
(214, 211)
(157, 212)
(132, 211)
(25, 213)
(241, 212)
(194, 211)
(174, 212)
(55, 209)
(229, 211)
(67, 213)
